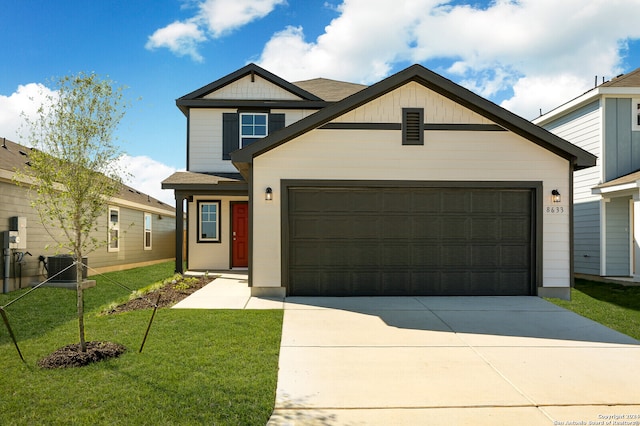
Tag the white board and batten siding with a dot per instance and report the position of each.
(583, 128)
(258, 89)
(380, 155)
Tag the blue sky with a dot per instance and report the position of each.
(525, 55)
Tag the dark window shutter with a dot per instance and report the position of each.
(230, 134)
(412, 126)
(276, 122)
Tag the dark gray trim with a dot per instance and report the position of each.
(572, 277)
(218, 220)
(362, 126)
(427, 126)
(464, 127)
(239, 188)
(224, 103)
(250, 69)
(250, 201)
(437, 83)
(536, 188)
(188, 140)
(412, 126)
(179, 231)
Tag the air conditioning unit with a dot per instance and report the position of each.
(59, 263)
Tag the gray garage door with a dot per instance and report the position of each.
(409, 241)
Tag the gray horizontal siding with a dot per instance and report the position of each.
(14, 201)
(586, 225)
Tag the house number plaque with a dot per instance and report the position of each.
(554, 209)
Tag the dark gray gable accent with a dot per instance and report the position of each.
(412, 126)
(427, 126)
(251, 69)
(439, 84)
(230, 134)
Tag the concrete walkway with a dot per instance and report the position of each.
(451, 360)
(441, 360)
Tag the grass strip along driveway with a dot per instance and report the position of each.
(197, 367)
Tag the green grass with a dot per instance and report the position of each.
(613, 305)
(198, 366)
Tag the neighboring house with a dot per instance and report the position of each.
(140, 229)
(606, 122)
(412, 186)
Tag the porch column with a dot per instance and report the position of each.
(635, 222)
(179, 232)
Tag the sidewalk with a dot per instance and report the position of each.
(229, 291)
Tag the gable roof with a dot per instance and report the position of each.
(196, 98)
(14, 157)
(630, 79)
(330, 90)
(417, 73)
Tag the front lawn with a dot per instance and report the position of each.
(197, 366)
(613, 305)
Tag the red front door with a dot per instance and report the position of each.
(240, 235)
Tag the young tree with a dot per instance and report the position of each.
(73, 169)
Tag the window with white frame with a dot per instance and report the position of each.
(253, 126)
(209, 221)
(148, 221)
(635, 115)
(113, 234)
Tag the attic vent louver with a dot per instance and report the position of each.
(412, 126)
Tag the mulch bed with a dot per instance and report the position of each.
(72, 356)
(169, 296)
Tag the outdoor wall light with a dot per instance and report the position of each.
(555, 196)
(268, 194)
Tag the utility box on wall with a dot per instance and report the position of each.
(18, 231)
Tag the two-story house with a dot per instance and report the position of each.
(606, 122)
(411, 186)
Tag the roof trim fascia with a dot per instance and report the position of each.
(248, 70)
(440, 85)
(230, 103)
(584, 99)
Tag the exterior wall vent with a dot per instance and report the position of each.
(412, 126)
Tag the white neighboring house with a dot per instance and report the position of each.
(412, 186)
(606, 122)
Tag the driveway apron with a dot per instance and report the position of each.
(451, 360)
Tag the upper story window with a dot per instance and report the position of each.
(243, 128)
(635, 115)
(253, 126)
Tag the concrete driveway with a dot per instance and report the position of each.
(451, 360)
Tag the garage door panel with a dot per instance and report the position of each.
(485, 256)
(454, 255)
(515, 229)
(485, 229)
(410, 241)
(455, 228)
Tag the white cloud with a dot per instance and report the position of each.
(181, 38)
(146, 175)
(519, 50)
(24, 101)
(214, 19)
